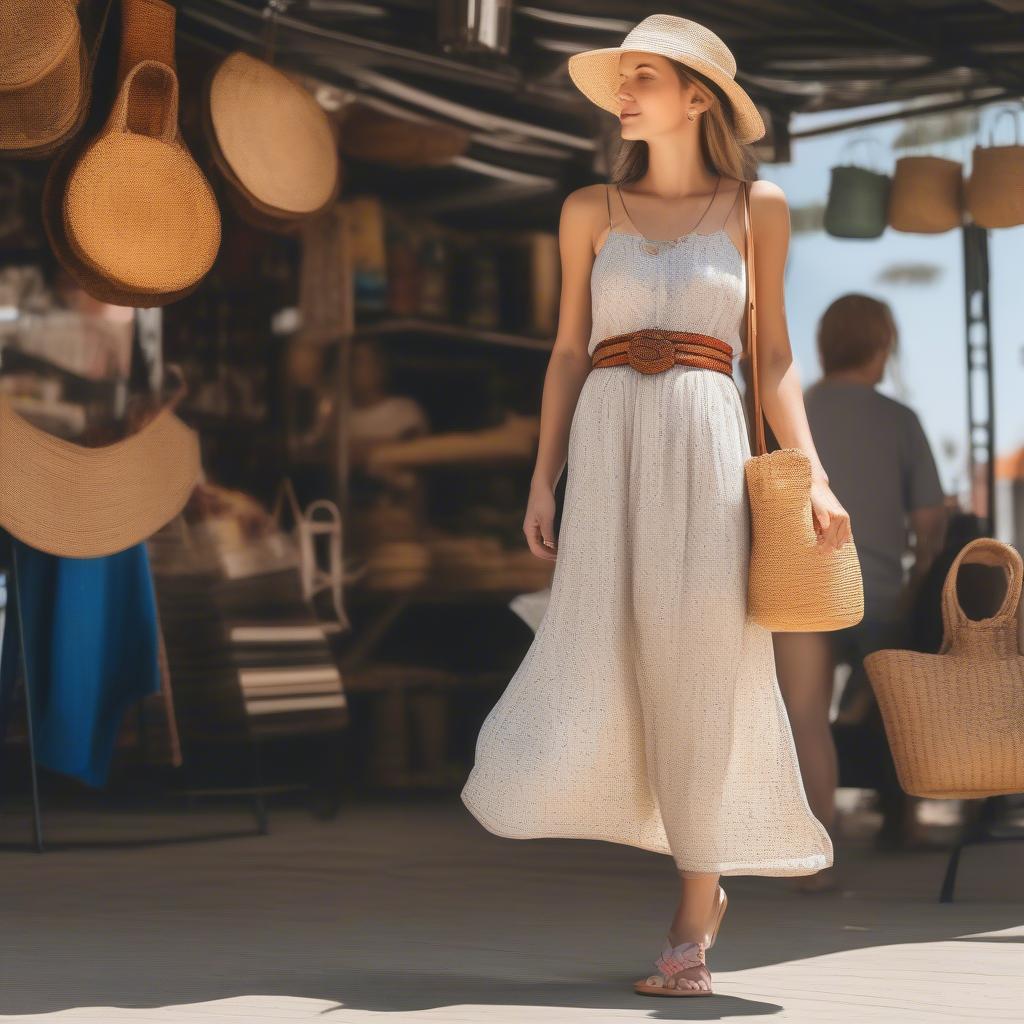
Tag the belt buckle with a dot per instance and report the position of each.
(650, 351)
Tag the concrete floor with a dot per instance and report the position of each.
(410, 911)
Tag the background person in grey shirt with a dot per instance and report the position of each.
(881, 468)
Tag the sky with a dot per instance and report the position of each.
(932, 376)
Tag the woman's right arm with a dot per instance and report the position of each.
(567, 368)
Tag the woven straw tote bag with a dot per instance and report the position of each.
(955, 720)
(138, 209)
(995, 190)
(858, 197)
(793, 585)
(926, 195)
(147, 33)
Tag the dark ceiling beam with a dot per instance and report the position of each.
(962, 103)
(919, 37)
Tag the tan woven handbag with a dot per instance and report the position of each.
(147, 33)
(793, 585)
(926, 195)
(138, 210)
(955, 720)
(995, 190)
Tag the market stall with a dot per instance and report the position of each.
(312, 251)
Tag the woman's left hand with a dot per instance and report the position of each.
(831, 520)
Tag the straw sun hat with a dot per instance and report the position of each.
(596, 72)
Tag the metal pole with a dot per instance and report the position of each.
(980, 384)
(37, 814)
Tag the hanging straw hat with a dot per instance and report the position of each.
(271, 139)
(596, 72)
(44, 75)
(79, 502)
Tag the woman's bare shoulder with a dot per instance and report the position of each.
(769, 197)
(584, 213)
(769, 208)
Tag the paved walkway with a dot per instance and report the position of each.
(410, 911)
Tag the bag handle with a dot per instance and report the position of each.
(748, 245)
(999, 631)
(994, 124)
(857, 140)
(154, 97)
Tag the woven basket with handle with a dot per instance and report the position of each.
(955, 720)
(994, 193)
(926, 196)
(138, 209)
(794, 585)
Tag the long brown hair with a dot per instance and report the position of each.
(722, 153)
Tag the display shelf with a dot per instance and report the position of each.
(455, 332)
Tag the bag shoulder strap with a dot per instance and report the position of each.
(748, 232)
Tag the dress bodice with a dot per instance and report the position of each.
(697, 284)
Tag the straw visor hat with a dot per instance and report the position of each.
(596, 72)
(81, 502)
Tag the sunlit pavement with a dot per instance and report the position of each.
(409, 910)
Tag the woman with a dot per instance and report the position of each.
(882, 465)
(646, 711)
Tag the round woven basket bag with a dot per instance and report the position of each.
(955, 720)
(138, 209)
(271, 140)
(793, 584)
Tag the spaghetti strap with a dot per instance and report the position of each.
(732, 207)
(608, 201)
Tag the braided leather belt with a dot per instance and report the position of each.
(652, 350)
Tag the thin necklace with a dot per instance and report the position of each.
(655, 245)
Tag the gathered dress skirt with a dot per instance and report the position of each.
(647, 709)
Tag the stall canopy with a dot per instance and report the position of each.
(795, 56)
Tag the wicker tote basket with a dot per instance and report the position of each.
(147, 33)
(926, 195)
(955, 720)
(138, 209)
(793, 585)
(995, 190)
(858, 198)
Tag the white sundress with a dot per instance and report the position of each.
(647, 710)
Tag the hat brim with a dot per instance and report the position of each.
(595, 73)
(120, 493)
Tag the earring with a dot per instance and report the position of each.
(691, 115)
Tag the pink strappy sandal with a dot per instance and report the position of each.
(686, 956)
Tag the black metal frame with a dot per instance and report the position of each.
(980, 832)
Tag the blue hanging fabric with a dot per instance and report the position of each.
(87, 632)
